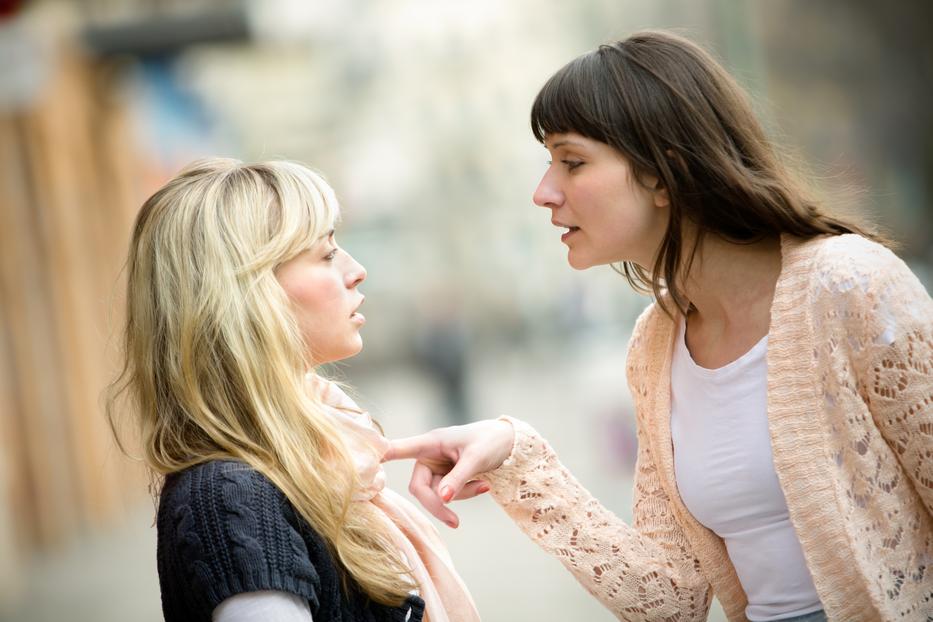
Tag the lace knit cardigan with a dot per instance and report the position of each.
(850, 412)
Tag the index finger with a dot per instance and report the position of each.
(410, 447)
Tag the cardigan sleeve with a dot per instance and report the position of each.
(641, 572)
(890, 323)
(645, 572)
(224, 529)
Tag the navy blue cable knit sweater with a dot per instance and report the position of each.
(224, 528)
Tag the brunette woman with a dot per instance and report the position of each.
(782, 378)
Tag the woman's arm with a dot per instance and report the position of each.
(891, 314)
(646, 572)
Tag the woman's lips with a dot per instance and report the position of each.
(356, 316)
(569, 233)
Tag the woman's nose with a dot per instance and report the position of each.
(547, 194)
(356, 274)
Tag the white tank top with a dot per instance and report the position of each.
(726, 478)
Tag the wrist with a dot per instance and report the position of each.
(506, 439)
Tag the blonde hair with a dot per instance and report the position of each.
(214, 362)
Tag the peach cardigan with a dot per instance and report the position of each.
(850, 411)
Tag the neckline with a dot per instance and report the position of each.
(716, 372)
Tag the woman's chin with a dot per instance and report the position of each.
(577, 262)
(352, 350)
(356, 347)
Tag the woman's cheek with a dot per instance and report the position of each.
(313, 295)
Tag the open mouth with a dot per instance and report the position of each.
(356, 315)
(570, 231)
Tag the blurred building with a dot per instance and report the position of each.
(70, 175)
(417, 113)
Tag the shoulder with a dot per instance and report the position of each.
(225, 481)
(227, 497)
(862, 284)
(841, 263)
(224, 528)
(228, 501)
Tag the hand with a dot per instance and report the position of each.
(448, 460)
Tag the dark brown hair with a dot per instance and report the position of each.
(679, 117)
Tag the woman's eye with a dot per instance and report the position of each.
(572, 164)
(330, 256)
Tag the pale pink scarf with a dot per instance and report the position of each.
(445, 596)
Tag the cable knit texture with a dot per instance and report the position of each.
(850, 412)
(224, 529)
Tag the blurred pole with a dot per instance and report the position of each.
(11, 578)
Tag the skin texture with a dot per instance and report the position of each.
(322, 284)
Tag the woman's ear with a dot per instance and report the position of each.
(658, 192)
(661, 197)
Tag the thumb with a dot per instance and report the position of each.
(451, 484)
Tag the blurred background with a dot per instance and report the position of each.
(417, 113)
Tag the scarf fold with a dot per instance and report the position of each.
(445, 595)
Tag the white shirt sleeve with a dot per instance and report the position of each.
(263, 605)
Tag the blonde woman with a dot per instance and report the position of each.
(272, 502)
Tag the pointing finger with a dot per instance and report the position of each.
(411, 447)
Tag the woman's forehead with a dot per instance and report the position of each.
(555, 140)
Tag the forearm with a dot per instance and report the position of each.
(629, 572)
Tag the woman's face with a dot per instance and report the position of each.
(607, 215)
(322, 285)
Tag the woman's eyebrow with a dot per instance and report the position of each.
(328, 235)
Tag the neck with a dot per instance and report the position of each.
(730, 283)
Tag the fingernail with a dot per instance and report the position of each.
(482, 489)
(446, 493)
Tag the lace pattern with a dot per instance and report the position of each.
(850, 409)
(875, 358)
(636, 575)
